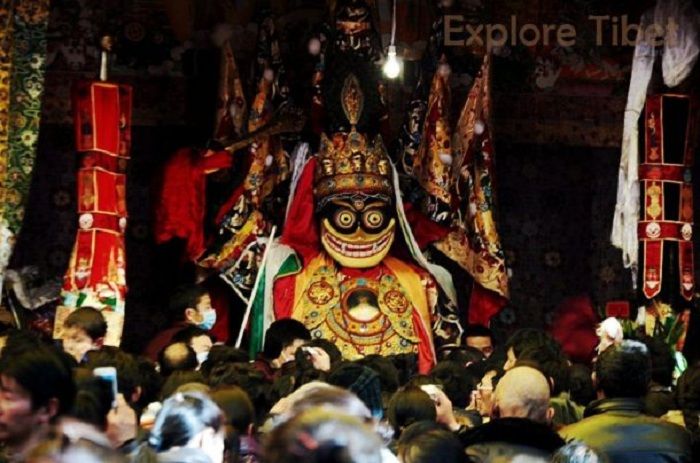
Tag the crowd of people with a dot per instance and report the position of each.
(188, 399)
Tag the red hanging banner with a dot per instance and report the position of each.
(96, 275)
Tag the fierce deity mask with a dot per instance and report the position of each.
(353, 190)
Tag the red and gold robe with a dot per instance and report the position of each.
(322, 295)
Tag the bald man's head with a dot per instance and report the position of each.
(177, 356)
(523, 392)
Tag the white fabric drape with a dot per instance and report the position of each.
(679, 55)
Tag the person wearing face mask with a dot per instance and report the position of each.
(189, 306)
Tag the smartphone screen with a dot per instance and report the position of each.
(109, 374)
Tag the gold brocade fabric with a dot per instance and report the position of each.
(474, 242)
(23, 26)
(5, 69)
(30, 20)
(231, 107)
(328, 301)
(232, 249)
(486, 267)
(269, 162)
(431, 164)
(6, 235)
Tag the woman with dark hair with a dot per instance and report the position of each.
(93, 399)
(240, 422)
(410, 405)
(429, 442)
(188, 429)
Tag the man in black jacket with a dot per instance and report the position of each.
(615, 424)
(520, 422)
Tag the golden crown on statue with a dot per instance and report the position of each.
(350, 162)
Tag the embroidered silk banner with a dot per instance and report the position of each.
(474, 242)
(23, 26)
(665, 230)
(96, 274)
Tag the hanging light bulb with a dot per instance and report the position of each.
(392, 66)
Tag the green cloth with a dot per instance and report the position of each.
(290, 265)
(29, 26)
(566, 411)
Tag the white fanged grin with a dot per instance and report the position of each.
(358, 250)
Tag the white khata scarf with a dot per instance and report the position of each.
(679, 54)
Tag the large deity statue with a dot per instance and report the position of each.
(350, 289)
(347, 264)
